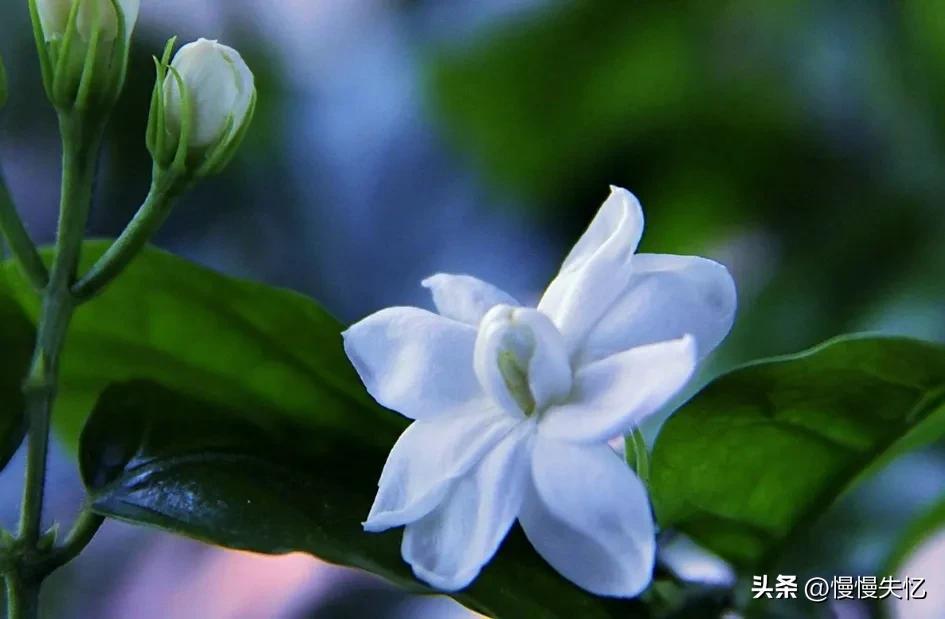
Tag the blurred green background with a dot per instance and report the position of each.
(802, 144)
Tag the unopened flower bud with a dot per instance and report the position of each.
(54, 17)
(84, 48)
(208, 96)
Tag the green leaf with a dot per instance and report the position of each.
(16, 345)
(257, 480)
(762, 451)
(225, 340)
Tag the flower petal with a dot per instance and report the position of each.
(668, 296)
(416, 362)
(612, 395)
(597, 269)
(588, 515)
(448, 547)
(427, 457)
(521, 360)
(465, 298)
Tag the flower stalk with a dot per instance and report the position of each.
(80, 143)
(149, 218)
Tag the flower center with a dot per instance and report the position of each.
(515, 375)
(521, 360)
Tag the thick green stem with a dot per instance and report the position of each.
(80, 145)
(78, 167)
(22, 598)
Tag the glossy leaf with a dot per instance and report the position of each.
(16, 345)
(765, 449)
(225, 340)
(257, 480)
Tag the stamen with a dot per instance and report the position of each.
(516, 379)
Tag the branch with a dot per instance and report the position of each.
(84, 529)
(150, 217)
(21, 245)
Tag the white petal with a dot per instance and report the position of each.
(526, 339)
(221, 89)
(448, 547)
(465, 298)
(427, 457)
(416, 362)
(54, 17)
(597, 269)
(130, 9)
(668, 296)
(588, 515)
(612, 395)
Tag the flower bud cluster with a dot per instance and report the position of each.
(83, 48)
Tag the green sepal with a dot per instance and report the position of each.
(64, 86)
(228, 147)
(42, 50)
(89, 66)
(179, 164)
(47, 541)
(157, 127)
(120, 53)
(637, 455)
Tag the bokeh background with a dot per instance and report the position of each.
(802, 144)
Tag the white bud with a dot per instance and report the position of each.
(54, 17)
(221, 93)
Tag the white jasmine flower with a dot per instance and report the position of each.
(513, 406)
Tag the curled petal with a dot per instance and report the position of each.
(667, 297)
(416, 362)
(588, 515)
(613, 395)
(597, 269)
(426, 459)
(465, 298)
(448, 547)
(521, 360)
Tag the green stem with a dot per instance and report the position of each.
(21, 246)
(84, 529)
(80, 143)
(78, 164)
(150, 216)
(19, 599)
(22, 599)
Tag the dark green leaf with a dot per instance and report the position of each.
(16, 345)
(257, 480)
(765, 449)
(224, 340)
